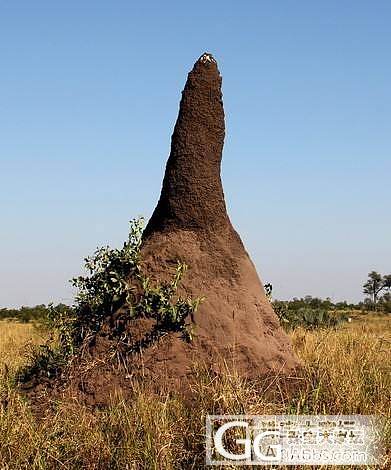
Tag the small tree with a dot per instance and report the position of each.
(375, 284)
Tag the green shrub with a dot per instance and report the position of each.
(115, 282)
(308, 318)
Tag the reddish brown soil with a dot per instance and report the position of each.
(235, 326)
(190, 223)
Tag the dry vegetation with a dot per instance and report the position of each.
(16, 340)
(346, 370)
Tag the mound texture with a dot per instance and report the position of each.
(235, 324)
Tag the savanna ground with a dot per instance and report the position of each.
(346, 371)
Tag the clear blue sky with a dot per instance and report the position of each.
(89, 94)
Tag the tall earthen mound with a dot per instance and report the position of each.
(235, 327)
(235, 323)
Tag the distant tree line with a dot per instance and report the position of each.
(315, 302)
(377, 288)
(27, 314)
(313, 312)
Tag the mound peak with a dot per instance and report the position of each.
(192, 195)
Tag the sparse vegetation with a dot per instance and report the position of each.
(306, 317)
(308, 313)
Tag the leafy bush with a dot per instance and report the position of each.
(115, 282)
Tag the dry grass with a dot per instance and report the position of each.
(16, 340)
(345, 371)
